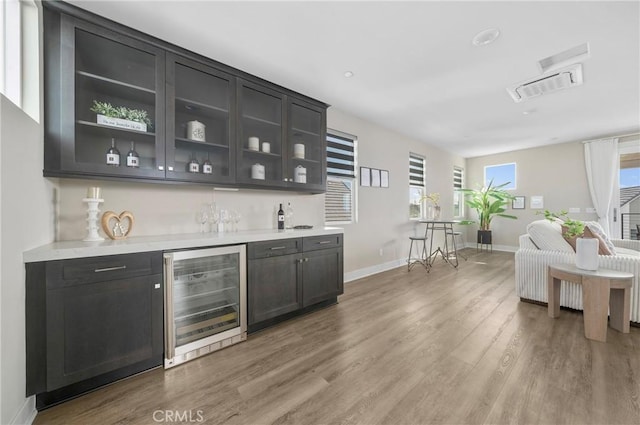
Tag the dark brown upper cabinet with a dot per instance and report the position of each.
(199, 105)
(87, 63)
(201, 113)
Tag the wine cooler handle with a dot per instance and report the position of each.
(168, 308)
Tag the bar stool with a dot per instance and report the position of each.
(422, 254)
(456, 235)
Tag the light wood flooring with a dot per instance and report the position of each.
(448, 347)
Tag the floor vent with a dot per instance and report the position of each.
(549, 83)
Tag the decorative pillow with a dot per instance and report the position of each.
(598, 232)
(602, 247)
(547, 236)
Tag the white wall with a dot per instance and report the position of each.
(383, 213)
(556, 172)
(26, 217)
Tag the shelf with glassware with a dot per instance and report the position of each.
(307, 144)
(261, 136)
(198, 116)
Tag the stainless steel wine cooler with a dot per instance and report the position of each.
(205, 301)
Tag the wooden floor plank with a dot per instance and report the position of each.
(451, 346)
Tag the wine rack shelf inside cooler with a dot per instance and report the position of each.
(206, 297)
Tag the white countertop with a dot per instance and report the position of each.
(78, 249)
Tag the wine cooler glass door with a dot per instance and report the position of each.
(205, 298)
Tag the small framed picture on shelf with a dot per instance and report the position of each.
(365, 176)
(517, 203)
(384, 178)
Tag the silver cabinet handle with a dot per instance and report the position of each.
(110, 269)
(324, 242)
(273, 248)
(161, 167)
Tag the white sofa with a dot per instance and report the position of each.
(531, 271)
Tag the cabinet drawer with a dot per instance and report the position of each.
(275, 248)
(100, 269)
(315, 243)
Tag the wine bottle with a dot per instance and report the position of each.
(288, 219)
(280, 218)
(133, 159)
(113, 154)
(207, 167)
(194, 166)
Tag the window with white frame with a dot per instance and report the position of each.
(501, 174)
(339, 200)
(416, 186)
(458, 195)
(19, 55)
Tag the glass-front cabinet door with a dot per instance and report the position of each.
(108, 114)
(261, 136)
(199, 132)
(306, 156)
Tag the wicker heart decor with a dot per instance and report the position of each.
(115, 226)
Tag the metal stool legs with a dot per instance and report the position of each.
(456, 239)
(422, 253)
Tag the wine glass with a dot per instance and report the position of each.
(236, 219)
(224, 218)
(213, 217)
(202, 216)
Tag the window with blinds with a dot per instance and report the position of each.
(458, 196)
(416, 186)
(339, 200)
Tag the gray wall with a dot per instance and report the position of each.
(556, 172)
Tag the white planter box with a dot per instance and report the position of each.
(120, 123)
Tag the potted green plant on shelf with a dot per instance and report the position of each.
(121, 116)
(489, 202)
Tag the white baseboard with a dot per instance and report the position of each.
(378, 268)
(505, 248)
(27, 412)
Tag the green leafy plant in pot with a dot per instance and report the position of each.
(489, 202)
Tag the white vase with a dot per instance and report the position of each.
(587, 253)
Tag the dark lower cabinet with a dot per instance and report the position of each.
(322, 276)
(91, 321)
(289, 277)
(275, 288)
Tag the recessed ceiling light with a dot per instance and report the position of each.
(485, 37)
(348, 74)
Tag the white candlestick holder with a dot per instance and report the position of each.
(92, 219)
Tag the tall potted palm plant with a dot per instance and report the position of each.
(489, 202)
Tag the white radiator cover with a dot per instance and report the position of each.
(531, 274)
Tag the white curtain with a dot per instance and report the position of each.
(602, 164)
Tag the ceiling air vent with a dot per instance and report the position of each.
(561, 79)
